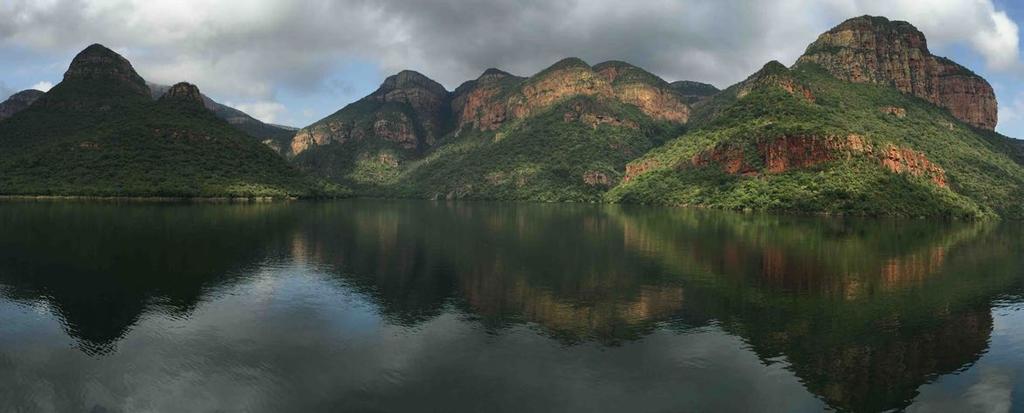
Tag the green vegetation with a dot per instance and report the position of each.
(985, 179)
(546, 157)
(132, 146)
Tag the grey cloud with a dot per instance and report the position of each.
(298, 44)
(250, 52)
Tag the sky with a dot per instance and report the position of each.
(293, 62)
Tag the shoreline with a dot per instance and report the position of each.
(155, 199)
(260, 200)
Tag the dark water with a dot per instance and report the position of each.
(419, 306)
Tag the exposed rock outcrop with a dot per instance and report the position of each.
(99, 64)
(428, 99)
(635, 169)
(580, 113)
(408, 109)
(774, 74)
(568, 77)
(654, 96)
(787, 153)
(479, 104)
(895, 111)
(18, 102)
(876, 50)
(694, 92)
(98, 80)
(185, 93)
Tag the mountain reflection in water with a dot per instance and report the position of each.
(859, 313)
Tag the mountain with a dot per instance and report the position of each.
(564, 133)
(100, 133)
(277, 137)
(18, 102)
(866, 122)
(875, 50)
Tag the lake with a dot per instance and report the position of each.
(371, 305)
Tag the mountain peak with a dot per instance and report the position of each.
(871, 49)
(773, 67)
(493, 74)
(568, 63)
(408, 79)
(97, 63)
(617, 71)
(186, 93)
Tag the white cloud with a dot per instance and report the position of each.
(266, 111)
(1011, 115)
(42, 86)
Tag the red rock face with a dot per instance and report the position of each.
(655, 98)
(546, 89)
(799, 152)
(428, 101)
(635, 169)
(902, 160)
(876, 50)
(476, 104)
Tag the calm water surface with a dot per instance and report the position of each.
(420, 306)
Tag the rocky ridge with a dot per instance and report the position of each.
(427, 111)
(277, 137)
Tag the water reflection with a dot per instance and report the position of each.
(861, 312)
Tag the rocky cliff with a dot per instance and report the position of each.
(409, 109)
(18, 102)
(185, 93)
(876, 50)
(414, 112)
(654, 96)
(480, 103)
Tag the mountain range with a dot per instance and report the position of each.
(867, 121)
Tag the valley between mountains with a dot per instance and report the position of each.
(867, 122)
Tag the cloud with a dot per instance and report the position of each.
(42, 86)
(976, 23)
(266, 111)
(5, 92)
(254, 52)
